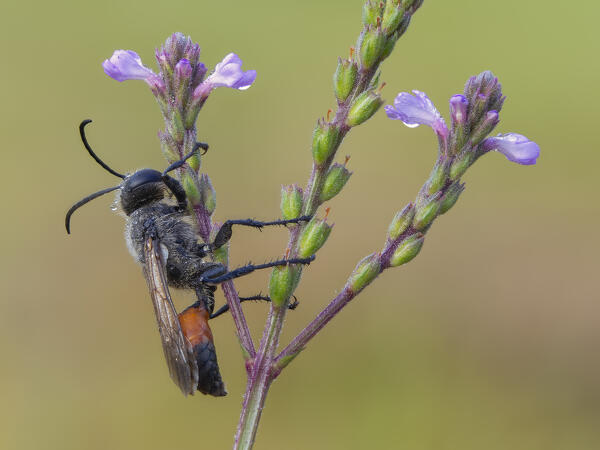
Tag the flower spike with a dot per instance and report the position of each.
(126, 65)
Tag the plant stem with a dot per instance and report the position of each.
(260, 377)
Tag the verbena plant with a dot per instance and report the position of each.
(182, 87)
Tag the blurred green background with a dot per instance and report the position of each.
(488, 340)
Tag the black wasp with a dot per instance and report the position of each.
(161, 236)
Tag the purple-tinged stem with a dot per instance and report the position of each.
(263, 370)
(205, 226)
(260, 377)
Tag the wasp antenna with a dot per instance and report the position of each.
(91, 152)
(82, 202)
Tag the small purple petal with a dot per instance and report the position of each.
(229, 73)
(183, 68)
(516, 147)
(458, 108)
(126, 65)
(417, 110)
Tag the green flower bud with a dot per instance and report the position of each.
(363, 108)
(392, 16)
(451, 197)
(485, 127)
(371, 11)
(407, 249)
(335, 180)
(281, 285)
(313, 237)
(365, 272)
(390, 43)
(344, 78)
(438, 177)
(221, 254)
(371, 46)
(325, 139)
(194, 162)
(191, 188)
(175, 126)
(209, 196)
(291, 201)
(427, 212)
(168, 147)
(401, 221)
(460, 164)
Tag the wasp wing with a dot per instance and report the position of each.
(177, 349)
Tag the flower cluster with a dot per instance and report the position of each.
(474, 115)
(181, 88)
(181, 82)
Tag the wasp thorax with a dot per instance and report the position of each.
(141, 188)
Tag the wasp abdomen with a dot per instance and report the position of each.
(194, 325)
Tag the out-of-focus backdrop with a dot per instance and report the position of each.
(489, 339)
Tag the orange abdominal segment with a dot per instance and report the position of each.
(194, 324)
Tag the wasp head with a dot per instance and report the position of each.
(140, 189)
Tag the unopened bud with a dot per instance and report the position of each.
(313, 237)
(371, 11)
(291, 202)
(371, 46)
(191, 188)
(459, 105)
(183, 69)
(401, 221)
(460, 164)
(365, 272)
(325, 139)
(390, 43)
(427, 212)
(335, 180)
(407, 250)
(168, 146)
(175, 126)
(438, 177)
(281, 285)
(208, 193)
(451, 197)
(344, 78)
(392, 16)
(363, 108)
(486, 126)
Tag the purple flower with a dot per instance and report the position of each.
(417, 110)
(515, 147)
(228, 73)
(126, 65)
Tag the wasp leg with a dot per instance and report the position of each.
(245, 270)
(174, 185)
(225, 231)
(223, 309)
(177, 190)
